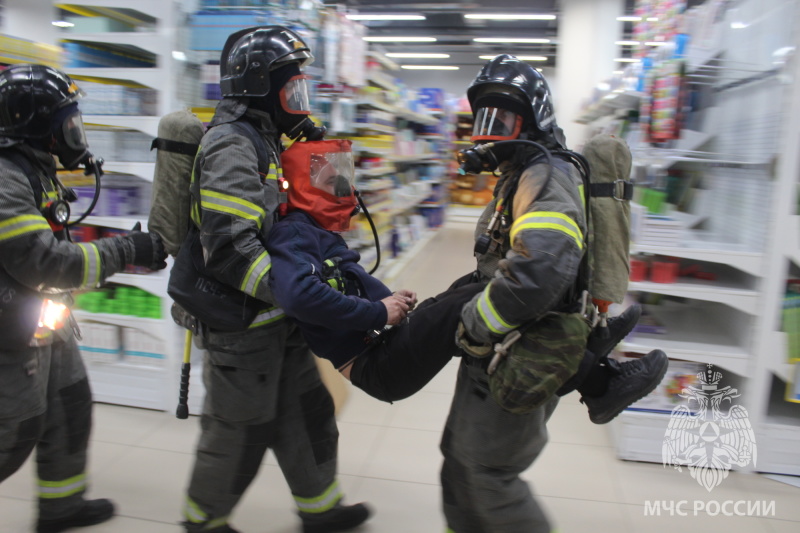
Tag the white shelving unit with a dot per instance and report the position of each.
(750, 236)
(148, 386)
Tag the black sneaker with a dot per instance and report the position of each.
(630, 381)
(340, 518)
(618, 329)
(93, 512)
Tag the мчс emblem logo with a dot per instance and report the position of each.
(706, 438)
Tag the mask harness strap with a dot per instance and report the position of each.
(374, 231)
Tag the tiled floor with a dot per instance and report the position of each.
(389, 457)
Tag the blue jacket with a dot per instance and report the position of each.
(334, 324)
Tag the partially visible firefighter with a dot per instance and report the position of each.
(45, 398)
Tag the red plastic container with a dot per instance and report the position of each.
(638, 270)
(664, 272)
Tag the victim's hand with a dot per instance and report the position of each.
(396, 310)
(407, 296)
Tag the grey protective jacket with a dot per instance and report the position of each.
(29, 250)
(533, 266)
(234, 205)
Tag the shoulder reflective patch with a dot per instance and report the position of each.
(225, 203)
(548, 220)
(19, 225)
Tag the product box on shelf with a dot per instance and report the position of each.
(210, 29)
(100, 343)
(139, 348)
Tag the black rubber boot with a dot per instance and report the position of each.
(340, 518)
(93, 512)
(629, 382)
(221, 529)
(618, 329)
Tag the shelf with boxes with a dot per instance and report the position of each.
(728, 167)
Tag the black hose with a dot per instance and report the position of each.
(374, 232)
(97, 170)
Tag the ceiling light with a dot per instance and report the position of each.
(62, 24)
(629, 19)
(652, 19)
(178, 55)
(397, 16)
(407, 55)
(626, 60)
(509, 40)
(508, 16)
(400, 39)
(627, 43)
(521, 58)
(428, 67)
(656, 43)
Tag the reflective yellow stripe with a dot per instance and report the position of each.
(274, 172)
(268, 316)
(549, 220)
(91, 265)
(225, 203)
(491, 318)
(47, 196)
(61, 489)
(22, 224)
(192, 512)
(583, 197)
(255, 273)
(325, 502)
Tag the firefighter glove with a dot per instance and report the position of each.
(148, 249)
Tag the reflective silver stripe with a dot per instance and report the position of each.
(61, 489)
(274, 172)
(549, 220)
(268, 316)
(490, 316)
(192, 512)
(225, 203)
(255, 273)
(326, 501)
(91, 265)
(19, 225)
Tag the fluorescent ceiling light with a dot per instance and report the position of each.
(652, 19)
(626, 60)
(397, 16)
(627, 43)
(521, 58)
(508, 16)
(428, 67)
(509, 40)
(629, 19)
(408, 55)
(656, 43)
(62, 24)
(178, 55)
(400, 39)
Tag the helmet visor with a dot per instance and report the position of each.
(74, 132)
(496, 124)
(333, 173)
(294, 96)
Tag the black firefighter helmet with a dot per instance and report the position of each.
(29, 97)
(507, 83)
(250, 54)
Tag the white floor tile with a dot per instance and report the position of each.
(401, 507)
(406, 455)
(425, 410)
(568, 515)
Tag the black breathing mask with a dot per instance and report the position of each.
(486, 157)
(299, 129)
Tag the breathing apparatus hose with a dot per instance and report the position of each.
(374, 231)
(93, 166)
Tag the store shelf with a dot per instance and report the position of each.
(149, 77)
(702, 250)
(745, 300)
(125, 223)
(138, 169)
(608, 104)
(153, 326)
(148, 125)
(379, 128)
(145, 40)
(374, 172)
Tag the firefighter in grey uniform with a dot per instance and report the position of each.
(263, 389)
(45, 399)
(531, 256)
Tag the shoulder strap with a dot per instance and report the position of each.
(27, 168)
(177, 147)
(262, 151)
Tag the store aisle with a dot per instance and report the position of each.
(389, 457)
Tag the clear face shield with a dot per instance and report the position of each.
(496, 124)
(71, 144)
(333, 173)
(294, 96)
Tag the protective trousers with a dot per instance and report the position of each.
(485, 450)
(45, 402)
(263, 390)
